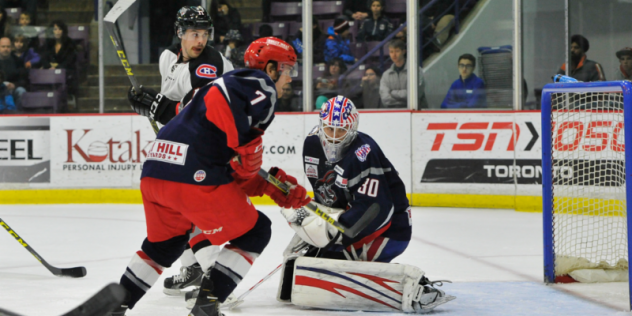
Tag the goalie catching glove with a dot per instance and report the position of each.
(151, 104)
(312, 228)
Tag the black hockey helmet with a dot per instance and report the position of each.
(193, 17)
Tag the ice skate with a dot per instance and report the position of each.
(189, 276)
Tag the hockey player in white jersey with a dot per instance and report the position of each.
(185, 66)
(349, 172)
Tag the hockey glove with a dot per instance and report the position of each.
(296, 198)
(249, 158)
(150, 103)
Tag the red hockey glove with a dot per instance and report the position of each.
(296, 198)
(249, 159)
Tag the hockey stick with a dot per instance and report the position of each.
(100, 304)
(76, 272)
(361, 224)
(110, 24)
(241, 297)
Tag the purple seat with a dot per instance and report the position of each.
(325, 24)
(318, 71)
(371, 45)
(358, 49)
(286, 8)
(327, 7)
(14, 13)
(81, 35)
(357, 73)
(42, 99)
(293, 27)
(279, 29)
(354, 28)
(47, 77)
(395, 6)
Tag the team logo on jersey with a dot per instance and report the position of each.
(206, 71)
(169, 152)
(311, 171)
(311, 160)
(339, 170)
(341, 182)
(323, 189)
(199, 176)
(362, 152)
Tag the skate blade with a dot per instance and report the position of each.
(230, 302)
(438, 301)
(173, 292)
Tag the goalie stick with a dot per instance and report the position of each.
(110, 24)
(351, 232)
(76, 272)
(100, 304)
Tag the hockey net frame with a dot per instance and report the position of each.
(584, 182)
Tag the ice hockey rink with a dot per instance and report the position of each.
(494, 258)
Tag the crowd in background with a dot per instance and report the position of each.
(24, 46)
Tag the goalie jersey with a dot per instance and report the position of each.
(196, 146)
(362, 177)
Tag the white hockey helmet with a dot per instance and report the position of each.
(338, 127)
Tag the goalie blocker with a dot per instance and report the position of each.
(358, 286)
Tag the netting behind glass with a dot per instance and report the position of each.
(589, 203)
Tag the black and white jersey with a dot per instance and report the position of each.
(180, 77)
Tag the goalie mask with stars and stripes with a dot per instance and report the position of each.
(338, 127)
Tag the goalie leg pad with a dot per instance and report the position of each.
(352, 285)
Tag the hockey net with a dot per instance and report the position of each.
(588, 181)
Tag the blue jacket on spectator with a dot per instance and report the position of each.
(32, 56)
(6, 99)
(336, 46)
(466, 94)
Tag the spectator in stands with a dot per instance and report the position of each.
(319, 38)
(6, 23)
(265, 30)
(338, 44)
(27, 56)
(469, 90)
(366, 95)
(582, 68)
(25, 29)
(13, 69)
(439, 29)
(7, 104)
(625, 64)
(29, 6)
(235, 49)
(356, 9)
(377, 26)
(228, 18)
(60, 52)
(394, 82)
(327, 85)
(25, 19)
(289, 102)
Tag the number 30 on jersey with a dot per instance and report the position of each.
(369, 187)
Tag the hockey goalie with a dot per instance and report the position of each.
(326, 269)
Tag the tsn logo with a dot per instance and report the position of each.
(482, 133)
(588, 136)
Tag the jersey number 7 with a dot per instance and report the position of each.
(369, 187)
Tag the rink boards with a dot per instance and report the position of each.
(461, 159)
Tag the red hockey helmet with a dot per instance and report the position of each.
(267, 49)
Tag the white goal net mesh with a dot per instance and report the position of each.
(589, 205)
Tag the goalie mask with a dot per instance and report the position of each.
(338, 127)
(194, 18)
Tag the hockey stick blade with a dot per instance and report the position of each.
(76, 272)
(100, 304)
(368, 216)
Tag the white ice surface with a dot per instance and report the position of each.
(494, 258)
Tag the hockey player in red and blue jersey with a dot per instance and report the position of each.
(200, 172)
(349, 172)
